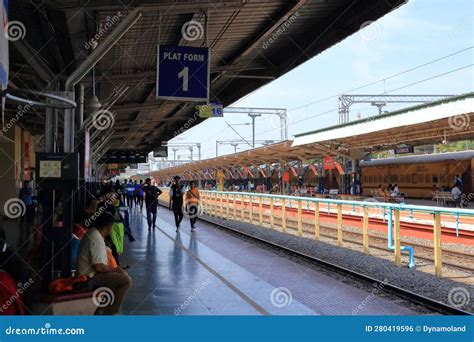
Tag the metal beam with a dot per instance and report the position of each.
(87, 65)
(169, 7)
(346, 100)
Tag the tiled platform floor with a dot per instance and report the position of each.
(210, 272)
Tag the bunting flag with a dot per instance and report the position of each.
(329, 163)
(312, 168)
(339, 168)
(247, 172)
(294, 172)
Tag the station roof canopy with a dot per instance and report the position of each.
(450, 119)
(445, 120)
(252, 42)
(270, 154)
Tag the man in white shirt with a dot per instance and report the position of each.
(395, 191)
(92, 261)
(456, 193)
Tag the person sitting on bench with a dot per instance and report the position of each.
(92, 261)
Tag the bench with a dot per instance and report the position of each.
(333, 193)
(70, 304)
(442, 197)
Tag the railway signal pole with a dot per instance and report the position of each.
(256, 112)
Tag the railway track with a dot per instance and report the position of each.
(425, 302)
(347, 218)
(451, 258)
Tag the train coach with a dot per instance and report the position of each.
(416, 175)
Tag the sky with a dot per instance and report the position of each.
(416, 33)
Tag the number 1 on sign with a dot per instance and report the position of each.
(185, 75)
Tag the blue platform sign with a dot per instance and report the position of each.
(183, 73)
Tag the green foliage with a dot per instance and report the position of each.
(455, 146)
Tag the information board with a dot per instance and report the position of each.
(183, 73)
(211, 110)
(404, 149)
(50, 169)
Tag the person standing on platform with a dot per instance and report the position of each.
(26, 196)
(176, 201)
(139, 194)
(135, 193)
(130, 193)
(124, 191)
(457, 195)
(458, 181)
(192, 204)
(151, 202)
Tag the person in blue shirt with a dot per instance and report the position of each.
(130, 193)
(139, 194)
(26, 196)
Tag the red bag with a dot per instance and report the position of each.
(79, 231)
(66, 284)
(11, 302)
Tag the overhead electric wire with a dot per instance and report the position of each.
(364, 86)
(386, 78)
(386, 92)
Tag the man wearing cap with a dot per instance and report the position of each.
(151, 202)
(176, 201)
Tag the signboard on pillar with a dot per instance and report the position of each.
(406, 149)
(211, 110)
(160, 152)
(183, 73)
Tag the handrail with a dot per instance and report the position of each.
(392, 210)
(399, 206)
